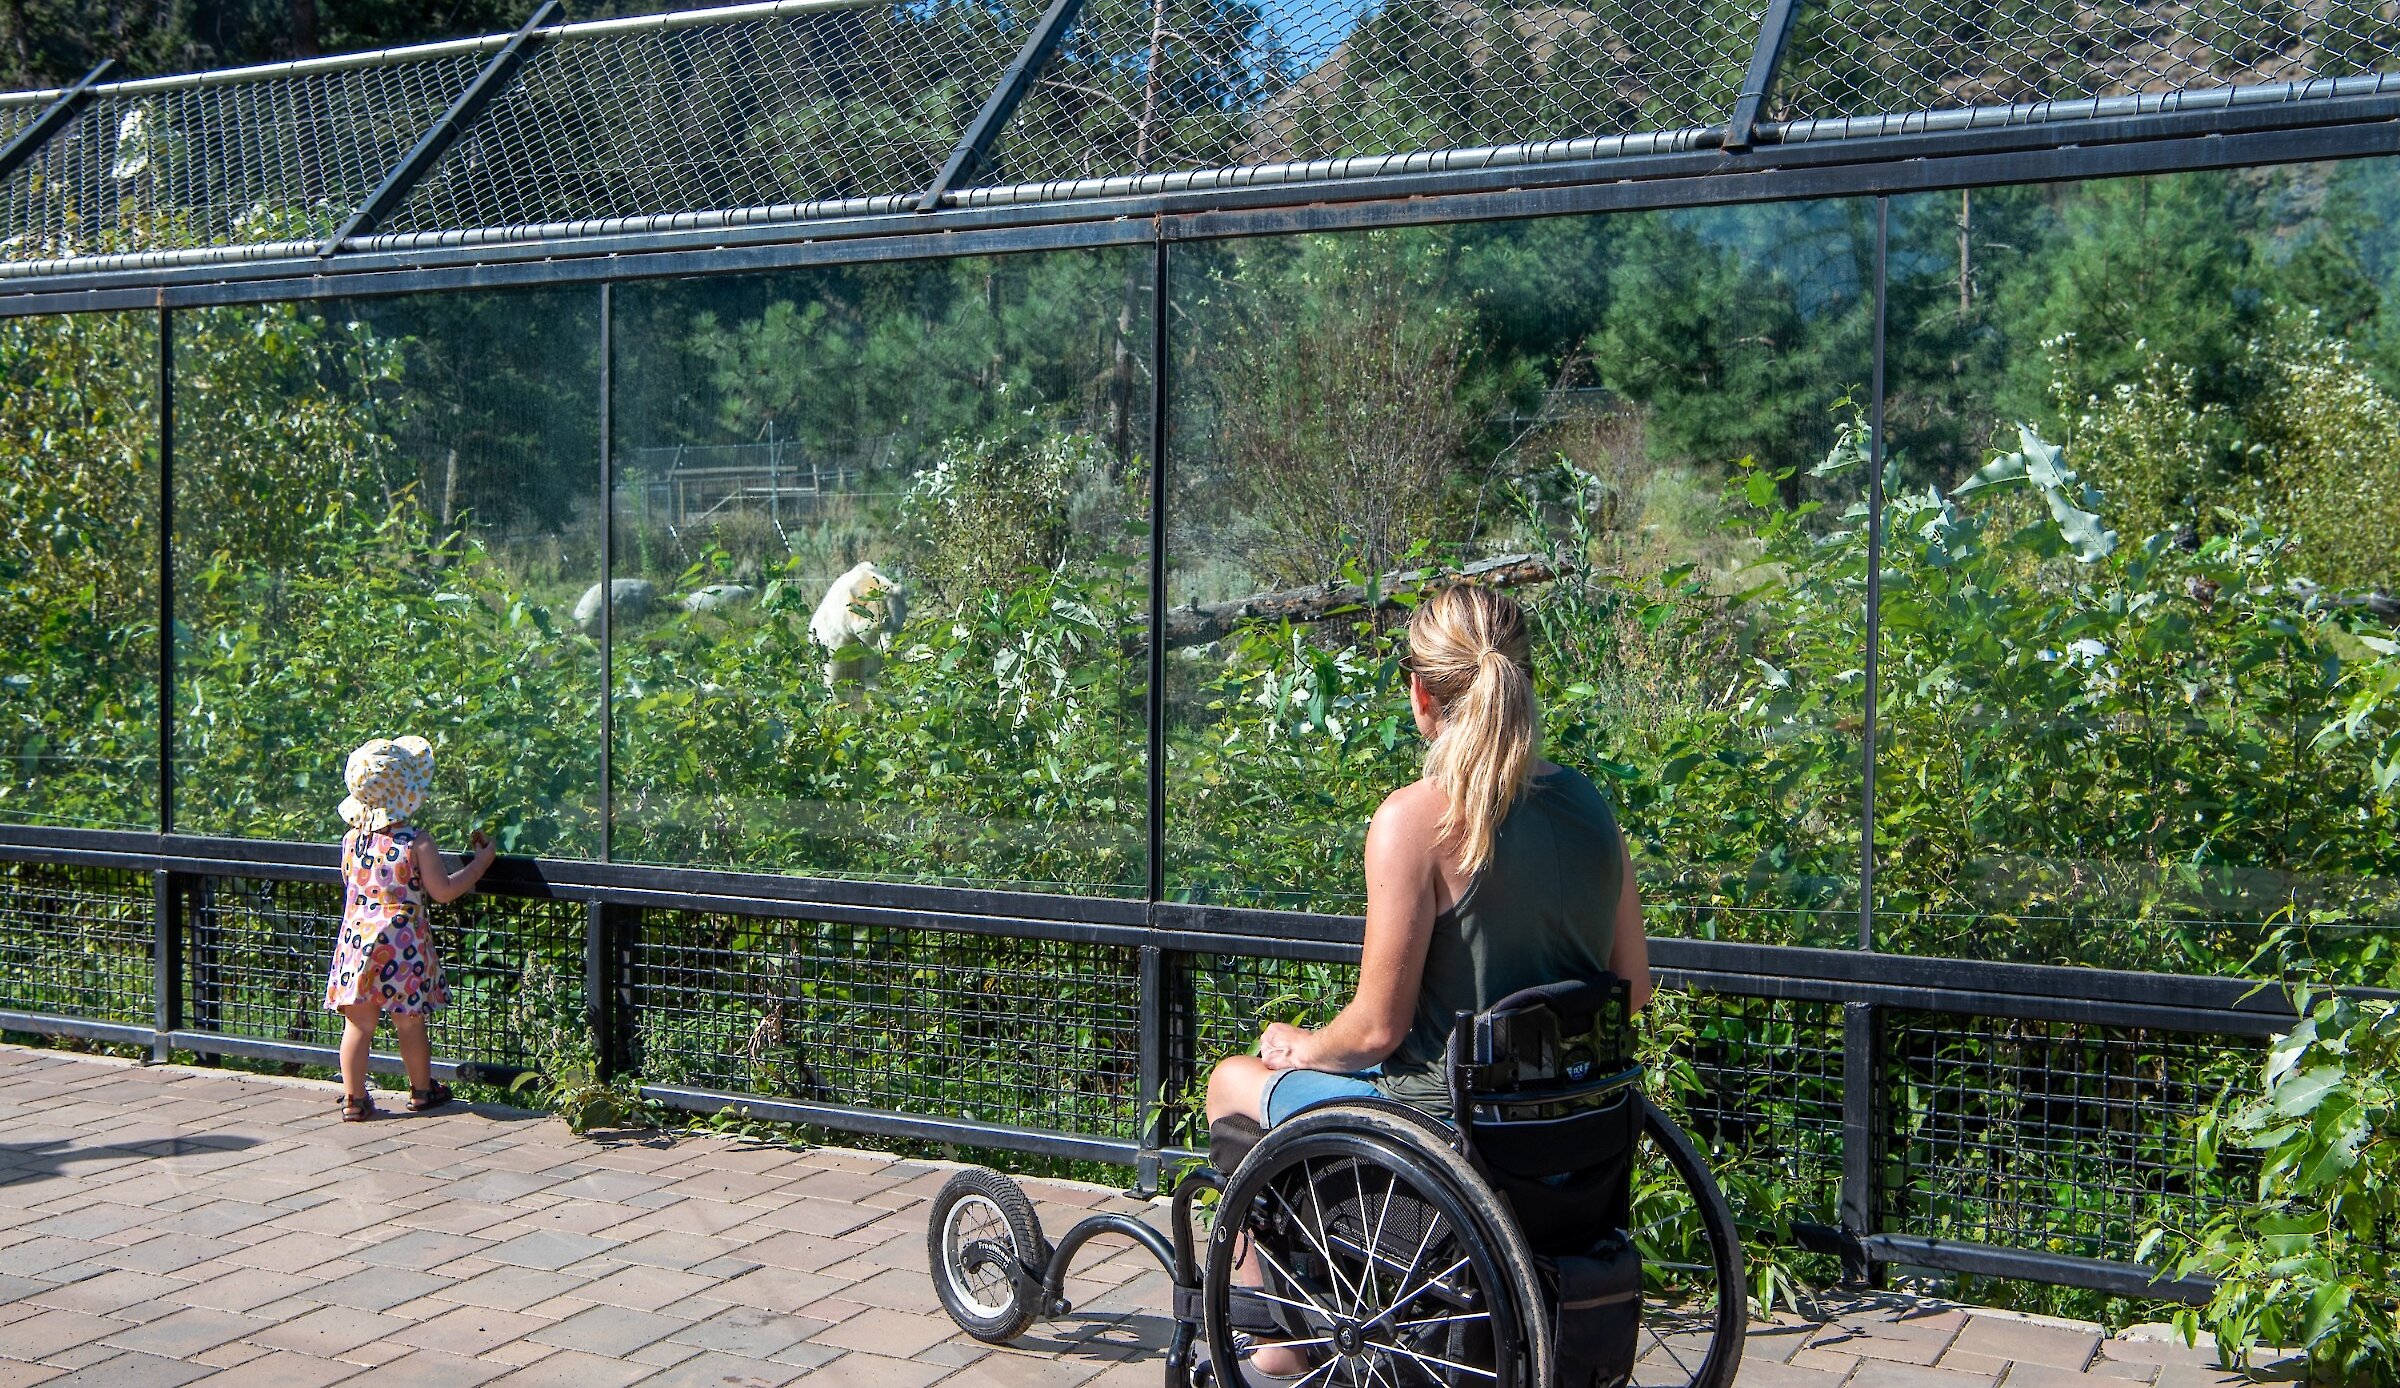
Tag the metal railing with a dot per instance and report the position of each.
(2006, 1120)
(794, 117)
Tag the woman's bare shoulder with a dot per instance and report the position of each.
(1413, 813)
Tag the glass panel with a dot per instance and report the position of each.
(881, 567)
(1643, 423)
(2136, 426)
(386, 513)
(79, 570)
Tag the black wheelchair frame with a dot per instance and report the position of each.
(996, 1273)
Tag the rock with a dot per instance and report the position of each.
(717, 596)
(630, 597)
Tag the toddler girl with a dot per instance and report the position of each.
(385, 960)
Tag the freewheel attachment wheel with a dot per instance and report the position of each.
(988, 1254)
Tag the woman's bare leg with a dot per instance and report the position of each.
(1234, 1089)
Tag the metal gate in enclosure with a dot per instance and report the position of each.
(2004, 1120)
(1927, 1107)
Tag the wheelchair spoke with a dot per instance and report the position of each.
(1323, 1238)
(1317, 1239)
(1461, 1319)
(1264, 1295)
(1435, 1359)
(1286, 1274)
(1419, 1290)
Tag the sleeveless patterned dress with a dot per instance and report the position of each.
(385, 954)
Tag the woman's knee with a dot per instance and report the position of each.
(1234, 1085)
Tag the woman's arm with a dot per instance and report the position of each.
(1629, 953)
(442, 884)
(1403, 896)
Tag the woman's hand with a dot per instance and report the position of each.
(1282, 1046)
(480, 844)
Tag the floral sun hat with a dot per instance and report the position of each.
(388, 778)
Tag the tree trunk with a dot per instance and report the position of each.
(1199, 625)
(304, 28)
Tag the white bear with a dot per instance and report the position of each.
(855, 620)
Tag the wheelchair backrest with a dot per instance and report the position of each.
(1544, 1089)
(1551, 1047)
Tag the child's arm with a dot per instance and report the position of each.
(442, 884)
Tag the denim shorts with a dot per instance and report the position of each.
(1290, 1091)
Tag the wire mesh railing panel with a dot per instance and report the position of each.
(223, 164)
(1758, 1082)
(1218, 1003)
(75, 942)
(1175, 85)
(1029, 1033)
(783, 112)
(256, 954)
(1867, 57)
(2047, 1135)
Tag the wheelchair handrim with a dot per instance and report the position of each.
(1356, 1330)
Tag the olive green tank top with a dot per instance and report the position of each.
(1543, 910)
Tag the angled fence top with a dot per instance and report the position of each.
(794, 111)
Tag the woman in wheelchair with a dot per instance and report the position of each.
(1497, 872)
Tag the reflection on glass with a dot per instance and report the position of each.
(78, 571)
(1646, 424)
(880, 580)
(2146, 457)
(386, 514)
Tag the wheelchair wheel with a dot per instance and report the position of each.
(1695, 1304)
(1385, 1258)
(988, 1252)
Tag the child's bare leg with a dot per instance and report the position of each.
(358, 1038)
(416, 1052)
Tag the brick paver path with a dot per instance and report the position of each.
(161, 1226)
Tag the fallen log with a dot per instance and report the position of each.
(1200, 624)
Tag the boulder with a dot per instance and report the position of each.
(717, 596)
(629, 597)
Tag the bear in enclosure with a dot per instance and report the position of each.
(854, 622)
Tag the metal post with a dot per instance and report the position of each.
(57, 116)
(1156, 702)
(976, 142)
(1862, 1069)
(166, 964)
(435, 142)
(1873, 692)
(1861, 1135)
(608, 571)
(166, 571)
(1766, 61)
(1150, 1126)
(599, 986)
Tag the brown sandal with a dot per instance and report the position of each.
(427, 1100)
(358, 1109)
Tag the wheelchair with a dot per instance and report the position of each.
(1562, 1232)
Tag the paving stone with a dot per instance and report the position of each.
(714, 1370)
(887, 1332)
(379, 1288)
(575, 1369)
(862, 1370)
(329, 1331)
(51, 1332)
(1884, 1373)
(2028, 1342)
(432, 1369)
(132, 1371)
(242, 1290)
(469, 1330)
(747, 1330)
(284, 1369)
(649, 1288)
(549, 1251)
(187, 1332)
(113, 1290)
(608, 1330)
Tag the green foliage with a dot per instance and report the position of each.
(2309, 1267)
(995, 510)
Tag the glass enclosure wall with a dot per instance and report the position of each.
(1645, 421)
(2135, 424)
(79, 571)
(882, 533)
(881, 559)
(386, 518)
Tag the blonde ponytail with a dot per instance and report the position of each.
(1470, 649)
